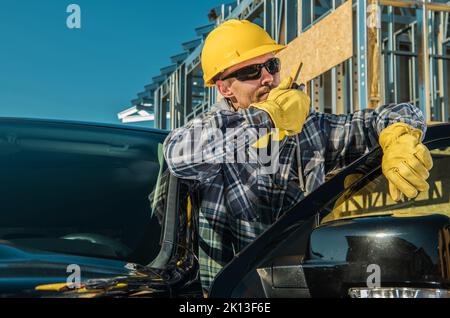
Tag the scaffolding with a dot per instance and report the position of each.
(400, 52)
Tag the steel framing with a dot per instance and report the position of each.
(414, 46)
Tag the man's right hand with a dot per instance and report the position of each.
(288, 108)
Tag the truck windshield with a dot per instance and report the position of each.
(79, 189)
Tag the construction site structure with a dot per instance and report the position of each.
(356, 54)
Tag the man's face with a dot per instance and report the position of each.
(244, 93)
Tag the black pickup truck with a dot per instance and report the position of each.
(76, 221)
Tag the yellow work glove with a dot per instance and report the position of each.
(288, 108)
(406, 161)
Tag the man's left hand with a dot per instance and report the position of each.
(406, 161)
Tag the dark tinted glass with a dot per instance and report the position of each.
(79, 189)
(253, 72)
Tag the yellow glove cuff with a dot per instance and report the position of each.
(391, 133)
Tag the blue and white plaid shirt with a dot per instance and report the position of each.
(237, 203)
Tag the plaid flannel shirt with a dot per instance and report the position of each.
(237, 203)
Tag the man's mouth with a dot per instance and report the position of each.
(264, 96)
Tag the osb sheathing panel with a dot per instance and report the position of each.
(320, 48)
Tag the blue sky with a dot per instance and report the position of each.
(50, 71)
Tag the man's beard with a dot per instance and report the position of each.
(263, 93)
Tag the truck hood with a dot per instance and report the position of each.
(32, 273)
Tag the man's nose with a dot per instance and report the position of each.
(266, 77)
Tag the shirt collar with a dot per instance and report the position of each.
(222, 105)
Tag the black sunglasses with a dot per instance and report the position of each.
(253, 72)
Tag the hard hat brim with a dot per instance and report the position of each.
(261, 50)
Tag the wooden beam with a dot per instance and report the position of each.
(374, 57)
(414, 4)
(326, 44)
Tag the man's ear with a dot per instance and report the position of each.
(224, 88)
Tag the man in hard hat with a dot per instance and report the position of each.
(236, 201)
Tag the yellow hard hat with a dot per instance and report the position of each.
(231, 43)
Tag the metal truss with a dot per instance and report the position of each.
(411, 43)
